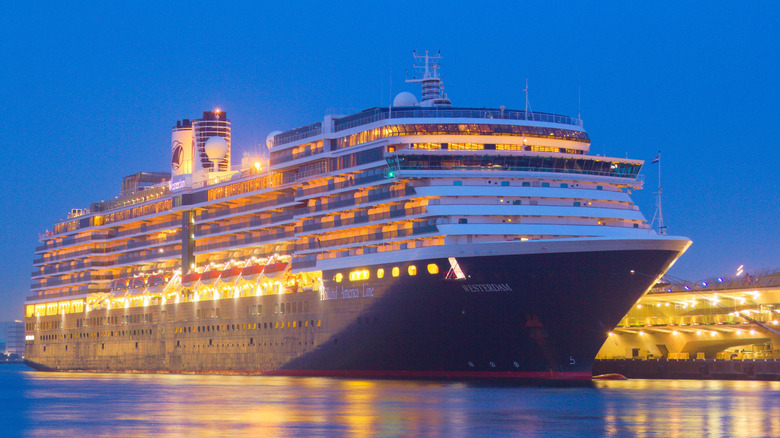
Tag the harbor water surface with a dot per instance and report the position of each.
(85, 404)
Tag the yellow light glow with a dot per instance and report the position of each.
(396, 271)
(698, 332)
(412, 270)
(380, 273)
(675, 332)
(433, 268)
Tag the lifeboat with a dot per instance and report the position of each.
(229, 275)
(137, 283)
(118, 285)
(274, 270)
(156, 280)
(156, 283)
(209, 277)
(188, 280)
(251, 273)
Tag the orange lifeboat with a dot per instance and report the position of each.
(209, 277)
(274, 270)
(250, 273)
(229, 275)
(189, 279)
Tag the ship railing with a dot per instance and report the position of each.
(42, 284)
(397, 213)
(245, 241)
(67, 241)
(298, 134)
(175, 223)
(372, 198)
(73, 292)
(70, 255)
(332, 186)
(48, 270)
(252, 223)
(370, 237)
(149, 255)
(287, 156)
(274, 203)
(377, 114)
(504, 168)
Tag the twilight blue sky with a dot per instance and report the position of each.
(90, 91)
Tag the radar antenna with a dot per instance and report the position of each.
(432, 85)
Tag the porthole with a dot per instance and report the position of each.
(433, 268)
(396, 271)
(380, 273)
(412, 270)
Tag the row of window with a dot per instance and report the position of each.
(365, 274)
(249, 326)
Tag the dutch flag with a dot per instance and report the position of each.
(657, 158)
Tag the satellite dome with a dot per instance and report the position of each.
(269, 141)
(405, 98)
(216, 147)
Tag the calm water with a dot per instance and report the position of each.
(64, 404)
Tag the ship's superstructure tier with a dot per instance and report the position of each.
(337, 203)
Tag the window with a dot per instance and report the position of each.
(396, 271)
(504, 183)
(457, 183)
(338, 277)
(526, 184)
(412, 270)
(463, 220)
(545, 184)
(433, 268)
(564, 185)
(599, 188)
(380, 273)
(576, 204)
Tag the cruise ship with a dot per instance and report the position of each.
(418, 240)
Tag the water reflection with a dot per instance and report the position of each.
(177, 405)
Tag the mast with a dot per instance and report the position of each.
(432, 85)
(659, 210)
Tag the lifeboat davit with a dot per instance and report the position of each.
(188, 280)
(209, 277)
(250, 273)
(230, 275)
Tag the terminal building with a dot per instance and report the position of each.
(714, 321)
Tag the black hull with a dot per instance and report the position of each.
(531, 316)
(536, 316)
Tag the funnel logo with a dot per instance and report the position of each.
(176, 157)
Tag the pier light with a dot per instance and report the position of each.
(752, 332)
(610, 334)
(638, 306)
(713, 333)
(675, 332)
(739, 332)
(698, 332)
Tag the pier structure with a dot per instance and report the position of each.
(720, 328)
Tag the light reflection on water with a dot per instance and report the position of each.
(65, 404)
